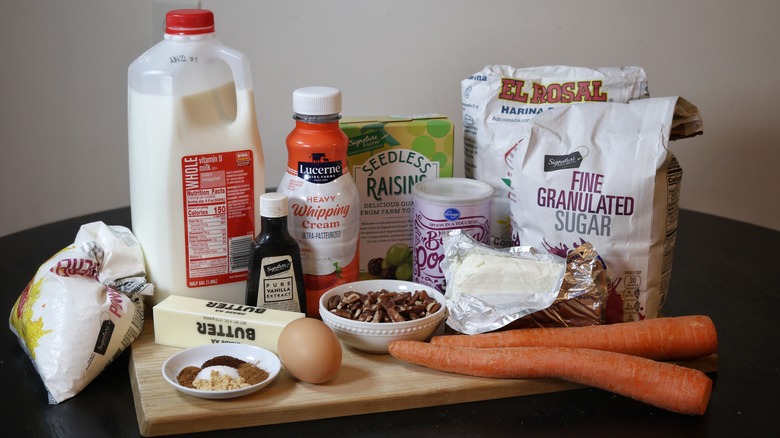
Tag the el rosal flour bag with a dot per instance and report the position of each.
(602, 173)
(499, 103)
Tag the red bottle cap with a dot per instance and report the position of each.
(189, 22)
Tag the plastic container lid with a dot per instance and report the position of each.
(273, 205)
(453, 191)
(317, 101)
(189, 22)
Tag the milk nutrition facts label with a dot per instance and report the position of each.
(218, 207)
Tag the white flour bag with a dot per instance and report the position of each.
(499, 103)
(602, 173)
(82, 308)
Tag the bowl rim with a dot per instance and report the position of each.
(414, 323)
(374, 329)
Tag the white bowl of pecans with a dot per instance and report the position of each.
(369, 314)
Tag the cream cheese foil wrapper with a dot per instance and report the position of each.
(489, 289)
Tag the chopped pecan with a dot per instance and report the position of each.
(392, 311)
(351, 297)
(333, 302)
(415, 308)
(383, 306)
(377, 317)
(341, 312)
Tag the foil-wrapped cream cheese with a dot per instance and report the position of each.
(507, 276)
(488, 288)
(492, 288)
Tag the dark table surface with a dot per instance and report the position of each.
(722, 268)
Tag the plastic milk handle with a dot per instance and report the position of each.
(242, 76)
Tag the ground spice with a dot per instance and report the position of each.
(252, 374)
(187, 376)
(226, 361)
(220, 382)
(248, 373)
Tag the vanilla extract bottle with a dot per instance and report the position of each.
(275, 278)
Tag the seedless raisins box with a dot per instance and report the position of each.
(387, 155)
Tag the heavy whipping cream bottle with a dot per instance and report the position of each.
(196, 161)
(323, 199)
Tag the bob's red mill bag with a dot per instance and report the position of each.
(602, 173)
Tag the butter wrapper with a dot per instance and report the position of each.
(184, 322)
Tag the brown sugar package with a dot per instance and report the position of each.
(602, 173)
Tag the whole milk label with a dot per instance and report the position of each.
(218, 197)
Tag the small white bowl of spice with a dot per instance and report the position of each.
(219, 371)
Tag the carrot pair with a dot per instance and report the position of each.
(587, 361)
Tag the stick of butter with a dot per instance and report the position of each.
(186, 322)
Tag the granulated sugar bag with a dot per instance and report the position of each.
(82, 308)
(602, 173)
(499, 103)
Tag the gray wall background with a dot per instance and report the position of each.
(63, 121)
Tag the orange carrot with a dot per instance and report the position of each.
(674, 338)
(661, 384)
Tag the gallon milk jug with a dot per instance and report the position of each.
(196, 161)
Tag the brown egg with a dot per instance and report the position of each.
(309, 350)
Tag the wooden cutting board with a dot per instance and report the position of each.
(367, 383)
